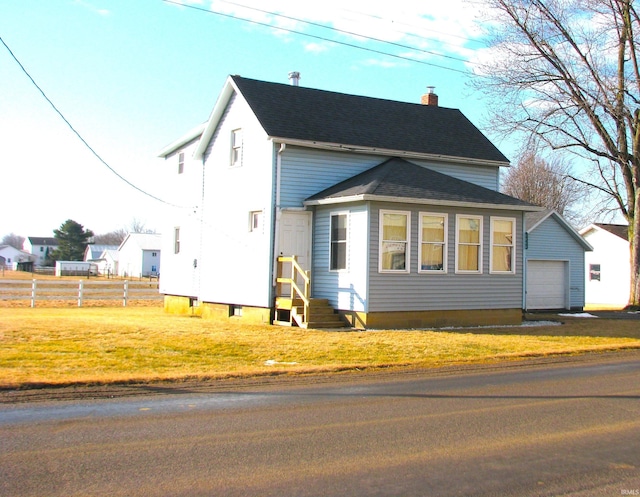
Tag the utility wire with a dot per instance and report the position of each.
(301, 33)
(343, 31)
(24, 70)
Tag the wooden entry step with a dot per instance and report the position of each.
(321, 315)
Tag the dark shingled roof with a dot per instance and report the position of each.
(298, 113)
(400, 179)
(620, 230)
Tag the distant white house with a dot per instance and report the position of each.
(139, 255)
(607, 268)
(10, 257)
(93, 252)
(40, 247)
(108, 262)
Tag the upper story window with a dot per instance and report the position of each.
(594, 272)
(394, 241)
(468, 244)
(236, 147)
(338, 249)
(433, 242)
(176, 240)
(503, 245)
(180, 162)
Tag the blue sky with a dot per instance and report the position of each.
(132, 76)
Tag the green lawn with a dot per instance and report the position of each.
(105, 345)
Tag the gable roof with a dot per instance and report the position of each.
(398, 180)
(144, 241)
(40, 240)
(534, 219)
(324, 119)
(620, 230)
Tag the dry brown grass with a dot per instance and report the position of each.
(106, 345)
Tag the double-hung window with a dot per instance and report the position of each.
(180, 162)
(433, 243)
(338, 249)
(468, 244)
(394, 241)
(176, 240)
(236, 147)
(503, 245)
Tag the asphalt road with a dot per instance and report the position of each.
(563, 428)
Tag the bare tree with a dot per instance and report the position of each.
(14, 240)
(546, 182)
(568, 71)
(112, 238)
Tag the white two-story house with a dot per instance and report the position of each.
(393, 209)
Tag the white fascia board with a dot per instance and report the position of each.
(339, 147)
(183, 140)
(212, 123)
(421, 201)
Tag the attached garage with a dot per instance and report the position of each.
(554, 255)
(546, 285)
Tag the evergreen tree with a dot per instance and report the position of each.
(72, 241)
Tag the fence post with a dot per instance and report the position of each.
(34, 284)
(126, 293)
(80, 291)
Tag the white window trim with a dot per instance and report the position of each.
(480, 249)
(407, 268)
(445, 245)
(252, 216)
(180, 162)
(513, 245)
(346, 242)
(176, 240)
(237, 132)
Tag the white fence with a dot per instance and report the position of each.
(80, 291)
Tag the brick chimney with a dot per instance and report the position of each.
(430, 98)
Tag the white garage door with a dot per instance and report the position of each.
(546, 285)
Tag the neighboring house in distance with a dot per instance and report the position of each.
(139, 255)
(108, 262)
(40, 247)
(93, 252)
(392, 206)
(555, 262)
(608, 267)
(11, 257)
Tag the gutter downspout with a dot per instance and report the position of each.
(278, 213)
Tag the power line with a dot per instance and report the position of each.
(343, 31)
(24, 70)
(301, 33)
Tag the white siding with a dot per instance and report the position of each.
(550, 241)
(612, 253)
(181, 271)
(235, 262)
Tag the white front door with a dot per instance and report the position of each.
(295, 236)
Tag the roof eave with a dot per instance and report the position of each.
(422, 201)
(572, 231)
(216, 114)
(340, 147)
(182, 141)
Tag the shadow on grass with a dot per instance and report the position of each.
(610, 324)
